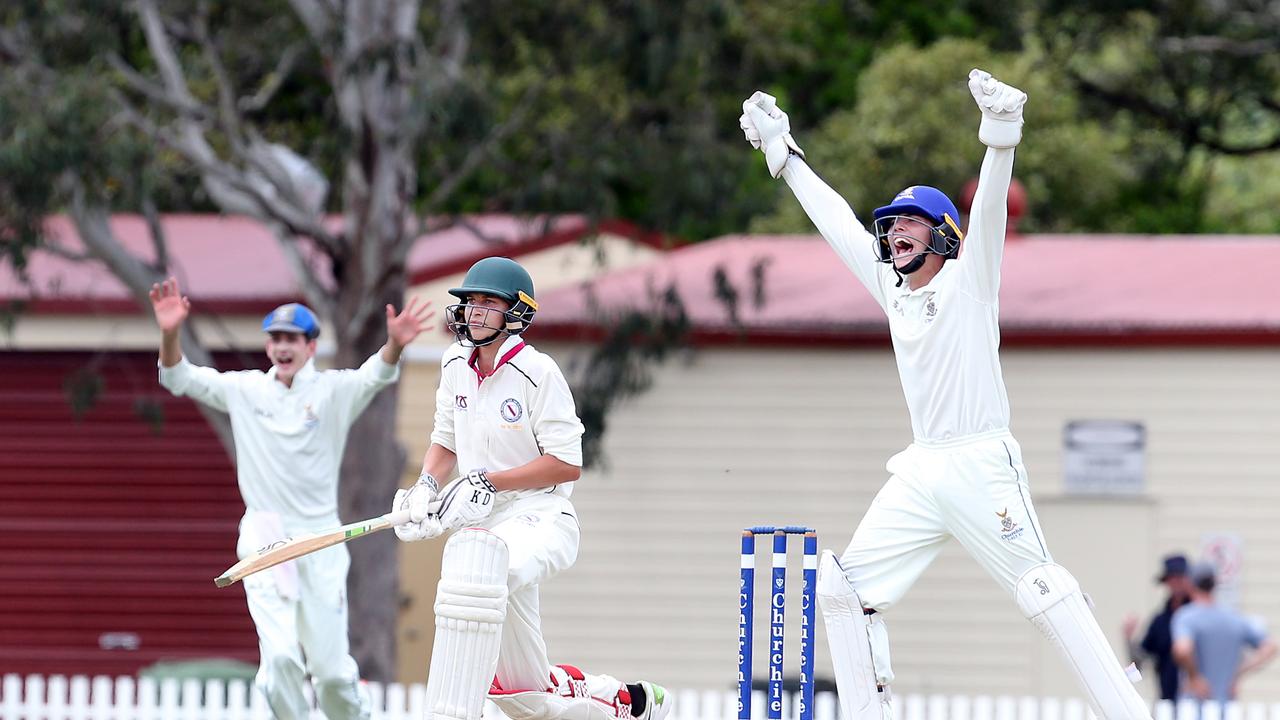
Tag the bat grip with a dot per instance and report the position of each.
(400, 517)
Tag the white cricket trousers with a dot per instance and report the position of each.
(300, 611)
(541, 533)
(974, 490)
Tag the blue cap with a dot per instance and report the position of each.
(293, 317)
(921, 200)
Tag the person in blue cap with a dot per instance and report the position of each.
(290, 428)
(1157, 641)
(962, 477)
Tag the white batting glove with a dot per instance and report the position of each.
(417, 500)
(1001, 107)
(467, 500)
(767, 128)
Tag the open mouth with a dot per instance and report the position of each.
(902, 247)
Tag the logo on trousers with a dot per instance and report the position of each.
(1008, 526)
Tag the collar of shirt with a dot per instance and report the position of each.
(304, 375)
(509, 348)
(931, 286)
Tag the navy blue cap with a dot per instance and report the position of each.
(1174, 565)
(293, 317)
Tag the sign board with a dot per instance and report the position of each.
(1225, 552)
(1104, 457)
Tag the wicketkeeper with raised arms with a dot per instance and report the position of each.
(506, 419)
(962, 476)
(290, 428)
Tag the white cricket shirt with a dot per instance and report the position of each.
(509, 418)
(289, 440)
(946, 335)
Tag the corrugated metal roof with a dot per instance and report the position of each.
(1052, 285)
(234, 261)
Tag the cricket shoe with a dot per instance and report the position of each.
(649, 701)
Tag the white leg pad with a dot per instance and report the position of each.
(1050, 598)
(471, 605)
(859, 646)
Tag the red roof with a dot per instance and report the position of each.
(1055, 288)
(235, 264)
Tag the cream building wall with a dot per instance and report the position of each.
(734, 437)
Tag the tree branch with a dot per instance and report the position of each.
(317, 294)
(158, 241)
(227, 113)
(274, 80)
(189, 107)
(53, 248)
(445, 189)
(318, 17)
(93, 223)
(1209, 44)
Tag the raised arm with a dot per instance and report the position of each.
(767, 128)
(382, 368)
(202, 384)
(1000, 131)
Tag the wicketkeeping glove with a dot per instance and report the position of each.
(417, 500)
(767, 128)
(467, 500)
(1001, 107)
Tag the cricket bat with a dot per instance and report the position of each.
(291, 548)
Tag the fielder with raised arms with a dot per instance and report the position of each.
(290, 428)
(962, 476)
(505, 414)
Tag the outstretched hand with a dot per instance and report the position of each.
(170, 306)
(402, 328)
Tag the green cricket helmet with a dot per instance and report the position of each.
(501, 278)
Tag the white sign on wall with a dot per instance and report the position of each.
(1104, 457)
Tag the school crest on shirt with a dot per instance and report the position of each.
(511, 410)
(309, 417)
(1008, 526)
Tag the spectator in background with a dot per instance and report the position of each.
(1157, 642)
(1210, 642)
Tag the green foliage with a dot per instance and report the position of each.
(620, 366)
(916, 123)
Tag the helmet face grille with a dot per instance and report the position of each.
(944, 237)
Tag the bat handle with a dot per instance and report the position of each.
(400, 517)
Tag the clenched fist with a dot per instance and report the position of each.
(1001, 107)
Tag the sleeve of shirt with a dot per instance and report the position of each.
(358, 386)
(1181, 626)
(555, 419)
(442, 433)
(983, 249)
(838, 224)
(202, 384)
(1254, 631)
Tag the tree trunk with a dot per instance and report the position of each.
(371, 469)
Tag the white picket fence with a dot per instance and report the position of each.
(58, 697)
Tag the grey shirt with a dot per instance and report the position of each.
(1220, 636)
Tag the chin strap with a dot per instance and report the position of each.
(916, 263)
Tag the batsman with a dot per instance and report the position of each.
(505, 417)
(962, 476)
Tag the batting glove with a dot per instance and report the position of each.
(767, 128)
(1001, 107)
(467, 500)
(417, 500)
